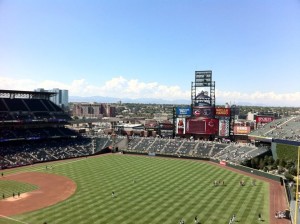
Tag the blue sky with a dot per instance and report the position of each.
(151, 49)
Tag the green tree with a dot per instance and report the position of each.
(293, 171)
(254, 163)
(270, 160)
(290, 164)
(282, 162)
(289, 176)
(262, 164)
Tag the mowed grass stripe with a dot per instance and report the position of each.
(8, 187)
(152, 190)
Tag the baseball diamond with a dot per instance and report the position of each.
(146, 190)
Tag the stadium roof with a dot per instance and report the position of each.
(25, 94)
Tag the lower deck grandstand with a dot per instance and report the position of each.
(22, 153)
(231, 152)
(284, 128)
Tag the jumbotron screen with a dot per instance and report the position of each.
(202, 126)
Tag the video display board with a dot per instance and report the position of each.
(180, 125)
(204, 112)
(223, 127)
(206, 126)
(203, 78)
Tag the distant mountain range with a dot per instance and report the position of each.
(102, 99)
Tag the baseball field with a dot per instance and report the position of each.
(132, 189)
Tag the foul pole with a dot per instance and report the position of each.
(297, 191)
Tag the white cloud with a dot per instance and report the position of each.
(260, 98)
(120, 87)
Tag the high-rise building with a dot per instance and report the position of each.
(61, 98)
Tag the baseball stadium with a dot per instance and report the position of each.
(190, 170)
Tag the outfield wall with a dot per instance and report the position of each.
(235, 166)
(252, 171)
(166, 155)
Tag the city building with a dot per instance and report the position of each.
(93, 110)
(61, 98)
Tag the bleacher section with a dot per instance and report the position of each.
(145, 144)
(239, 152)
(134, 143)
(230, 152)
(158, 145)
(21, 153)
(32, 130)
(173, 146)
(186, 147)
(285, 128)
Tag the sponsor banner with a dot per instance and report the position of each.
(223, 127)
(183, 111)
(180, 126)
(151, 126)
(205, 126)
(264, 119)
(223, 163)
(241, 130)
(205, 112)
(222, 112)
(166, 126)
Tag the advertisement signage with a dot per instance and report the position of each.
(241, 130)
(264, 119)
(205, 112)
(166, 126)
(223, 128)
(222, 162)
(151, 126)
(183, 111)
(222, 112)
(180, 126)
(205, 126)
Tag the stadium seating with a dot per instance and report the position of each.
(231, 152)
(285, 128)
(173, 146)
(30, 110)
(21, 153)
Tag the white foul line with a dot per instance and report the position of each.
(6, 217)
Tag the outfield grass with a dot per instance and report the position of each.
(8, 187)
(153, 190)
(8, 221)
